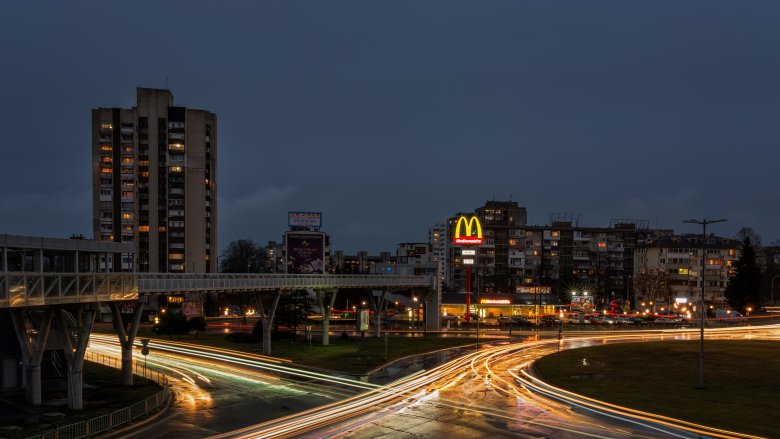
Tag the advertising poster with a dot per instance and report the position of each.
(305, 253)
(362, 322)
(192, 309)
(582, 303)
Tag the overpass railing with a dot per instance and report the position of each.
(18, 289)
(221, 282)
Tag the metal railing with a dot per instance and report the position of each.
(18, 289)
(117, 418)
(218, 282)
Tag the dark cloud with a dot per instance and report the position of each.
(390, 116)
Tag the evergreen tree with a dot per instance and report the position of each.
(744, 288)
(293, 308)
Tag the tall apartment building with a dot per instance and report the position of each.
(154, 182)
(438, 240)
(678, 259)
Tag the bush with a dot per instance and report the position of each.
(196, 324)
(173, 324)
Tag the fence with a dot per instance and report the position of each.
(109, 421)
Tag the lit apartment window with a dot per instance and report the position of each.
(105, 147)
(105, 170)
(127, 160)
(143, 228)
(554, 233)
(175, 168)
(176, 256)
(127, 216)
(106, 126)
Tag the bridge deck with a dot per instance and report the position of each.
(20, 289)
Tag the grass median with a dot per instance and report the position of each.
(742, 380)
(101, 396)
(343, 354)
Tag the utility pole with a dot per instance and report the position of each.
(702, 310)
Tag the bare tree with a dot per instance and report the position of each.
(242, 256)
(652, 285)
(748, 232)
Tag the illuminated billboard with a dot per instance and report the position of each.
(468, 231)
(305, 253)
(304, 219)
(582, 303)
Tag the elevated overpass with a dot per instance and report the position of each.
(33, 289)
(56, 310)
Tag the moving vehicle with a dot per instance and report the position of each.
(729, 315)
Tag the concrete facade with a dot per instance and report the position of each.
(155, 182)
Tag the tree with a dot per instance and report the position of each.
(744, 288)
(173, 324)
(196, 324)
(748, 232)
(293, 308)
(652, 285)
(243, 256)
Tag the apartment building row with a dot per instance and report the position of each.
(545, 264)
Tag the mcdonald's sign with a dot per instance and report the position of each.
(468, 231)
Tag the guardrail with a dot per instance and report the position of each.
(110, 421)
(18, 289)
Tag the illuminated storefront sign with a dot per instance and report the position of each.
(465, 230)
(465, 252)
(495, 302)
(468, 261)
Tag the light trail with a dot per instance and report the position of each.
(427, 387)
(261, 362)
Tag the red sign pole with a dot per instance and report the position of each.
(468, 293)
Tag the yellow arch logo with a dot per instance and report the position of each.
(470, 225)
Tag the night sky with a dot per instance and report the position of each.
(390, 116)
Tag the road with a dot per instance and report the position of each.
(218, 390)
(486, 393)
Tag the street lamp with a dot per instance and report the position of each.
(702, 309)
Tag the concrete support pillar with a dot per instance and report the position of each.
(433, 310)
(325, 311)
(75, 348)
(126, 338)
(267, 320)
(32, 352)
(377, 302)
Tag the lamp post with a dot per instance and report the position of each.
(702, 310)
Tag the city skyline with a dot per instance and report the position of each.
(389, 120)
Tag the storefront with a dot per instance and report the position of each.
(493, 306)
